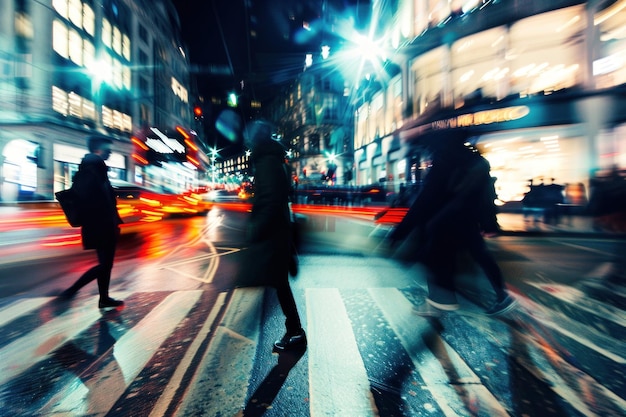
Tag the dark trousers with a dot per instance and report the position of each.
(100, 272)
(441, 260)
(288, 306)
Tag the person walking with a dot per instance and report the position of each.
(100, 219)
(451, 212)
(269, 231)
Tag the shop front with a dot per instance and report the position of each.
(38, 160)
(562, 140)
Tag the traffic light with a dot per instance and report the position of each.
(197, 112)
(232, 100)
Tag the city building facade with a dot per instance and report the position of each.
(538, 85)
(74, 68)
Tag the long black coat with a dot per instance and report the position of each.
(99, 213)
(269, 227)
(450, 202)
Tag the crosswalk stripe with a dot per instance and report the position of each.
(338, 381)
(221, 383)
(24, 352)
(96, 394)
(409, 328)
(170, 390)
(21, 307)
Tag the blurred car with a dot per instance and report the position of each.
(223, 196)
(137, 203)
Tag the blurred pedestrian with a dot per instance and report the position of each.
(452, 210)
(270, 229)
(100, 218)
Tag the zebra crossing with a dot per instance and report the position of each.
(195, 352)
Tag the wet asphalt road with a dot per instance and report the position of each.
(189, 343)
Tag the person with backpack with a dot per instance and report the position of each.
(100, 220)
(453, 209)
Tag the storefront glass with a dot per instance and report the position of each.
(478, 65)
(429, 80)
(545, 51)
(19, 171)
(609, 67)
(521, 158)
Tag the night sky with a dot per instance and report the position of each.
(217, 33)
(223, 53)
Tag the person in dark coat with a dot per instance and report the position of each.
(451, 214)
(269, 231)
(100, 218)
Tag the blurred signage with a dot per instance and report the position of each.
(164, 144)
(179, 90)
(482, 118)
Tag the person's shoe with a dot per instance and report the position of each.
(109, 303)
(441, 306)
(291, 341)
(502, 306)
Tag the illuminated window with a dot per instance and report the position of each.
(76, 47)
(126, 78)
(117, 73)
(61, 7)
(89, 20)
(126, 47)
(75, 12)
(59, 101)
(75, 104)
(117, 40)
(89, 54)
(89, 109)
(106, 32)
(545, 51)
(23, 25)
(59, 38)
(107, 116)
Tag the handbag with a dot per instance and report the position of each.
(70, 204)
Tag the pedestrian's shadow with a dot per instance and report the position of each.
(265, 394)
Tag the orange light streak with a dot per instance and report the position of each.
(139, 143)
(140, 159)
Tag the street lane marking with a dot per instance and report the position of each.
(172, 387)
(220, 384)
(338, 382)
(449, 394)
(584, 248)
(20, 308)
(35, 346)
(95, 394)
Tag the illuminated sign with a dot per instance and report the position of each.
(485, 117)
(163, 144)
(179, 90)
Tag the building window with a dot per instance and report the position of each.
(89, 20)
(60, 38)
(107, 31)
(75, 13)
(61, 7)
(72, 104)
(547, 60)
(75, 47)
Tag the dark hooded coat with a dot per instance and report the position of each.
(269, 227)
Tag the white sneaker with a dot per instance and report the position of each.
(445, 307)
(433, 309)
